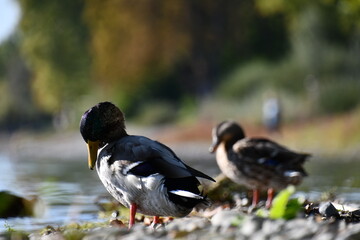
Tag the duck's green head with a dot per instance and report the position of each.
(101, 124)
(228, 132)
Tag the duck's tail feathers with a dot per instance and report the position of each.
(186, 194)
(197, 173)
(189, 199)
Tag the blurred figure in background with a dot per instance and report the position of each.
(272, 114)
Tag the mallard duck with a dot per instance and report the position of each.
(257, 163)
(143, 175)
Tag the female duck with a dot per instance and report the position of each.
(257, 163)
(142, 174)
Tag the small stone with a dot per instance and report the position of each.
(259, 235)
(353, 232)
(224, 219)
(106, 233)
(251, 225)
(117, 223)
(324, 236)
(299, 233)
(53, 236)
(187, 224)
(177, 234)
(328, 210)
(356, 213)
(115, 214)
(270, 227)
(296, 223)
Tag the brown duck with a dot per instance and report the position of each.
(257, 163)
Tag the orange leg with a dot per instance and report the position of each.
(133, 208)
(156, 220)
(255, 199)
(270, 196)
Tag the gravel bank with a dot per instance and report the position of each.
(225, 224)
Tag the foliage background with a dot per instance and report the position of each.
(164, 61)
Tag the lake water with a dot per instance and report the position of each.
(69, 189)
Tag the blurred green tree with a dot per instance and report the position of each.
(133, 43)
(55, 45)
(136, 52)
(140, 45)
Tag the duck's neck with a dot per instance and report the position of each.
(116, 134)
(122, 133)
(229, 143)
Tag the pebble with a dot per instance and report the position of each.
(109, 233)
(47, 236)
(188, 224)
(271, 227)
(251, 225)
(224, 219)
(328, 210)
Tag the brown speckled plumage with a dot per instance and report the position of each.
(257, 163)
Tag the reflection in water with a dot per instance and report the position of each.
(69, 189)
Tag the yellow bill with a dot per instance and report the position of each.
(92, 153)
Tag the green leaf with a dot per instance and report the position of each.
(261, 212)
(237, 221)
(278, 209)
(292, 208)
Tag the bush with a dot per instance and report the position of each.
(244, 81)
(154, 112)
(339, 96)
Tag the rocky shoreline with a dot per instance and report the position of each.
(224, 224)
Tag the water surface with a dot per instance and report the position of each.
(68, 190)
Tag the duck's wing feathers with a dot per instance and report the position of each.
(265, 151)
(150, 157)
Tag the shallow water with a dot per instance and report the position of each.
(338, 176)
(69, 189)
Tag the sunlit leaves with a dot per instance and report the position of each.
(283, 206)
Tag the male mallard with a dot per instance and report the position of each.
(257, 163)
(142, 174)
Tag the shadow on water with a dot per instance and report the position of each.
(69, 189)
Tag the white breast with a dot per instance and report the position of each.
(148, 193)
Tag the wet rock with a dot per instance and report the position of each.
(356, 213)
(328, 210)
(16, 206)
